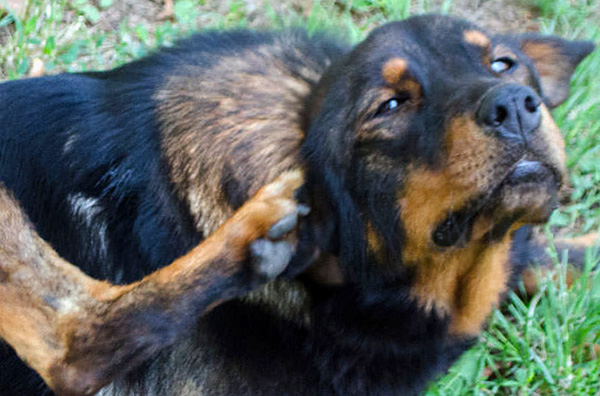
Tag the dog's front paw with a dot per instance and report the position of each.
(270, 256)
(266, 226)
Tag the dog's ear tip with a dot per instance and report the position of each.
(556, 59)
(577, 50)
(574, 50)
(584, 48)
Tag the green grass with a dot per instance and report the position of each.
(539, 347)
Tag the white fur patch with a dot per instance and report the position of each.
(87, 211)
(68, 147)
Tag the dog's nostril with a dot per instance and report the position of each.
(530, 104)
(500, 116)
(510, 111)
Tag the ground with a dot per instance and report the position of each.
(544, 346)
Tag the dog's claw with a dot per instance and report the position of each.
(287, 223)
(270, 258)
(272, 254)
(303, 210)
(283, 226)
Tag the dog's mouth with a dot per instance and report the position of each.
(528, 194)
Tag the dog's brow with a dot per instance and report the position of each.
(501, 50)
(395, 72)
(477, 38)
(393, 69)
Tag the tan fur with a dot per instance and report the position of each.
(59, 320)
(254, 134)
(530, 276)
(395, 74)
(548, 61)
(553, 142)
(208, 123)
(465, 282)
(429, 195)
(553, 67)
(480, 289)
(374, 242)
(584, 241)
(411, 87)
(393, 70)
(476, 37)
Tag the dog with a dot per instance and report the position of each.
(306, 218)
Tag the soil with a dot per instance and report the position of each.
(494, 15)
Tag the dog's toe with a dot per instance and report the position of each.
(287, 223)
(270, 258)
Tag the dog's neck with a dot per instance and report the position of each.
(290, 298)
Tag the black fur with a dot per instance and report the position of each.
(82, 154)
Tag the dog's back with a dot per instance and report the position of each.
(124, 171)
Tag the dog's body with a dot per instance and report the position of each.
(417, 183)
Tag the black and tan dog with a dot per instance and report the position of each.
(423, 153)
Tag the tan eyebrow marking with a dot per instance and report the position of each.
(501, 50)
(393, 70)
(410, 86)
(477, 38)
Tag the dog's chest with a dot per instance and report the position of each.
(240, 350)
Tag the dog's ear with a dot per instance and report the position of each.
(555, 60)
(327, 150)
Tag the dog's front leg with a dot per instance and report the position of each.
(530, 257)
(79, 333)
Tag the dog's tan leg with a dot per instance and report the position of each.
(78, 333)
(542, 260)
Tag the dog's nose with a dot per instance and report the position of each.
(511, 111)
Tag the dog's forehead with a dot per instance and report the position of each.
(426, 29)
(429, 43)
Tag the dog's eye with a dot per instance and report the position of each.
(392, 104)
(503, 64)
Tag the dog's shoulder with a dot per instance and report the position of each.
(93, 157)
(233, 118)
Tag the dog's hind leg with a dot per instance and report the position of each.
(79, 333)
(530, 255)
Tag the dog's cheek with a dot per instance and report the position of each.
(480, 289)
(466, 281)
(464, 284)
(475, 158)
(427, 198)
(552, 142)
(424, 202)
(468, 168)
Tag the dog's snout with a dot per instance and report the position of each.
(511, 111)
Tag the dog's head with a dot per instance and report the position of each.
(433, 140)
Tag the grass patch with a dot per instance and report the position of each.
(540, 347)
(549, 345)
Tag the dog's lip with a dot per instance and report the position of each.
(527, 171)
(524, 173)
(531, 171)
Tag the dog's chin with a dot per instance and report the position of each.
(529, 193)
